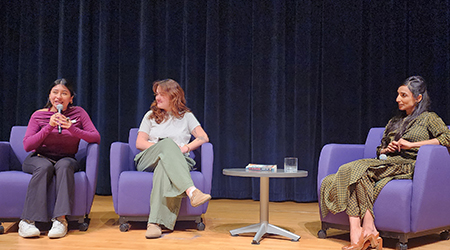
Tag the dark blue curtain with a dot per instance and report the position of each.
(267, 79)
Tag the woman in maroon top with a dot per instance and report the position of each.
(53, 135)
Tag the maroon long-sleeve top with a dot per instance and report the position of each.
(45, 139)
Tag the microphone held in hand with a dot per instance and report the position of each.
(59, 107)
(382, 157)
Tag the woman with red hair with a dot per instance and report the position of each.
(164, 140)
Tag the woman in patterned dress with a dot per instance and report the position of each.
(356, 185)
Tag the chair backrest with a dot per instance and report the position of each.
(373, 140)
(132, 136)
(16, 142)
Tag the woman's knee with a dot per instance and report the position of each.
(47, 168)
(168, 143)
(328, 180)
(66, 164)
(42, 167)
(36, 164)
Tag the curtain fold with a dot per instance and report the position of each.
(267, 79)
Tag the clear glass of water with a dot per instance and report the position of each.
(290, 164)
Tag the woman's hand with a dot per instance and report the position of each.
(392, 147)
(403, 144)
(59, 119)
(397, 146)
(185, 149)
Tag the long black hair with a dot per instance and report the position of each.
(62, 81)
(417, 86)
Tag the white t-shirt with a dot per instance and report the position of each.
(179, 130)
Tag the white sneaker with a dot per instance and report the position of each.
(58, 230)
(27, 229)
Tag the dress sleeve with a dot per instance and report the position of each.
(439, 130)
(88, 132)
(385, 137)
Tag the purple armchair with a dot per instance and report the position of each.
(14, 182)
(131, 189)
(404, 208)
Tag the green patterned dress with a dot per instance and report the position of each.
(356, 185)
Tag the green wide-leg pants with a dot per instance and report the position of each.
(171, 178)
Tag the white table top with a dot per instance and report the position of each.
(241, 172)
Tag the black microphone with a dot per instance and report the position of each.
(59, 107)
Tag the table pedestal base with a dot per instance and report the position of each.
(263, 226)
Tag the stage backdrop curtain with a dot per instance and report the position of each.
(266, 79)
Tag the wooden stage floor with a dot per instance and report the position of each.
(222, 216)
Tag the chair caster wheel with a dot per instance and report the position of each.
(322, 234)
(200, 226)
(2, 229)
(401, 246)
(124, 227)
(83, 226)
(444, 235)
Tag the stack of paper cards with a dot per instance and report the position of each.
(261, 167)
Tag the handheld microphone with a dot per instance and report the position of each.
(59, 107)
(382, 157)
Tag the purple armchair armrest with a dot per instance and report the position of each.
(5, 154)
(119, 162)
(430, 203)
(207, 160)
(92, 158)
(333, 156)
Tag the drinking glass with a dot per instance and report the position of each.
(290, 164)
